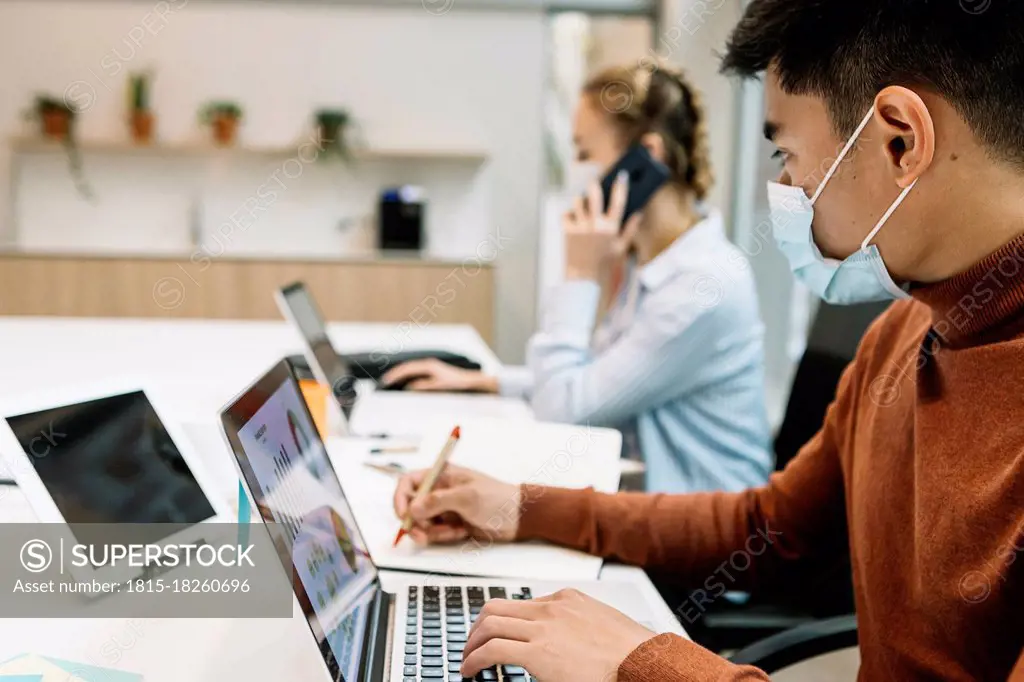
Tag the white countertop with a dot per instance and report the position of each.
(220, 356)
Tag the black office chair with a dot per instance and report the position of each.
(832, 343)
(799, 645)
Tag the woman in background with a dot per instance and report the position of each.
(676, 362)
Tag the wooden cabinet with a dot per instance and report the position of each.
(383, 289)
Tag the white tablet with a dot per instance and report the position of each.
(105, 453)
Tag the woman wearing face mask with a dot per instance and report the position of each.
(676, 360)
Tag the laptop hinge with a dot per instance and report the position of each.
(381, 639)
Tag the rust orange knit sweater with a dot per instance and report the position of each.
(918, 472)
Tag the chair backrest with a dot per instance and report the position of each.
(819, 650)
(831, 344)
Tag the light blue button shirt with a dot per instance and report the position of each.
(681, 375)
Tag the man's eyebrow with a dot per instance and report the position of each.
(771, 129)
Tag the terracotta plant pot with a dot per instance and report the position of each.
(332, 129)
(142, 126)
(225, 130)
(56, 124)
(331, 134)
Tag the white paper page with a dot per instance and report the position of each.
(513, 451)
(536, 452)
(371, 500)
(400, 413)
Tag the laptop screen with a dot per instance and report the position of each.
(295, 487)
(325, 363)
(111, 460)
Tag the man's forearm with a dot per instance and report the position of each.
(709, 542)
(557, 515)
(689, 535)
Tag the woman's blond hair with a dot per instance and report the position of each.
(651, 99)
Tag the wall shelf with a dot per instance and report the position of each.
(38, 145)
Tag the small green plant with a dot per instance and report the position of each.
(140, 118)
(213, 111)
(56, 119)
(46, 104)
(139, 91)
(333, 126)
(223, 118)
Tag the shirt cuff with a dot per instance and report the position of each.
(670, 658)
(515, 382)
(556, 515)
(573, 306)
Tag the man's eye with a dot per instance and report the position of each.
(779, 155)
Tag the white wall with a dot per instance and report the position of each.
(692, 36)
(618, 41)
(413, 78)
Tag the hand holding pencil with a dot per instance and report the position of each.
(427, 484)
(461, 504)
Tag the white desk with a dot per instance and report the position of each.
(210, 361)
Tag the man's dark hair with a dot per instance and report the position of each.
(970, 52)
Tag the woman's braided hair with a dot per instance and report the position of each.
(645, 99)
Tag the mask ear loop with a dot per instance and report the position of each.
(888, 214)
(842, 155)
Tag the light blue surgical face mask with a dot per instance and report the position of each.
(862, 277)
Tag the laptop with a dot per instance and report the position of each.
(330, 369)
(339, 371)
(363, 632)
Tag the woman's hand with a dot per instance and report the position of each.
(430, 374)
(568, 637)
(592, 238)
(463, 504)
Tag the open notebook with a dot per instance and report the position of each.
(411, 414)
(511, 450)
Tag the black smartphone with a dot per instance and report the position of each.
(646, 176)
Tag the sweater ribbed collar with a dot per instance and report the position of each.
(980, 299)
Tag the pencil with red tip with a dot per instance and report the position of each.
(428, 482)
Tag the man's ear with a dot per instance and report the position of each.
(654, 143)
(907, 131)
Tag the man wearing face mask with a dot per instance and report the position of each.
(900, 128)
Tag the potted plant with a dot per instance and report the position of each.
(55, 117)
(332, 128)
(223, 119)
(56, 120)
(139, 114)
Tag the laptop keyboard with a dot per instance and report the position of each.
(437, 626)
